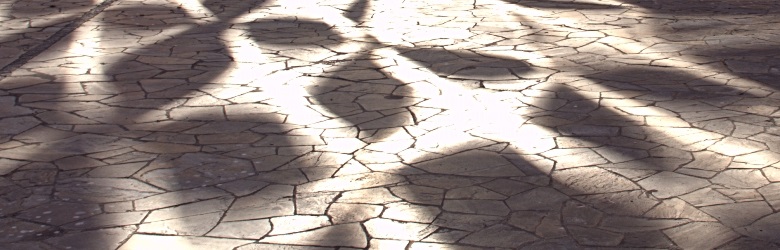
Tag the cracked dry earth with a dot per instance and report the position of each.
(242, 124)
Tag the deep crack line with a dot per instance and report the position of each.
(53, 39)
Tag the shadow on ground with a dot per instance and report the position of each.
(243, 169)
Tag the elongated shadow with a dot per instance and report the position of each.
(674, 150)
(31, 24)
(553, 4)
(146, 82)
(562, 194)
(467, 64)
(357, 90)
(358, 11)
(495, 193)
(703, 8)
